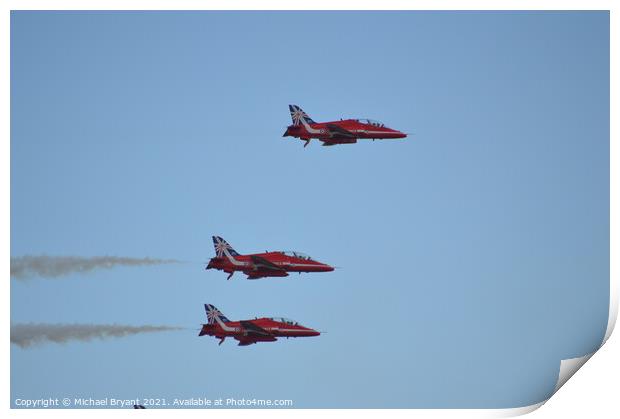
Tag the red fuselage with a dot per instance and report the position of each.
(265, 329)
(269, 264)
(343, 131)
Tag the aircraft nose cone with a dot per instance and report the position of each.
(327, 268)
(313, 332)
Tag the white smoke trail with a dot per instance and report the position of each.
(55, 266)
(29, 334)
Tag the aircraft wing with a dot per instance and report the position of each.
(250, 341)
(263, 263)
(337, 132)
(246, 342)
(252, 330)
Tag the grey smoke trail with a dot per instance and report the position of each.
(28, 334)
(54, 266)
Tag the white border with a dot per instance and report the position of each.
(568, 367)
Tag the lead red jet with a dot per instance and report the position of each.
(262, 265)
(345, 131)
(248, 332)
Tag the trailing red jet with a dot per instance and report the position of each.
(262, 265)
(247, 332)
(345, 131)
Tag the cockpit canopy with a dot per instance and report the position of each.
(297, 255)
(371, 122)
(284, 320)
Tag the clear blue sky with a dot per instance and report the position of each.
(475, 253)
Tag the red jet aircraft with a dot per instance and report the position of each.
(247, 332)
(262, 265)
(345, 131)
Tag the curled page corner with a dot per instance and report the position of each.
(518, 411)
(568, 367)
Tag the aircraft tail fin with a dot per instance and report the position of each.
(222, 247)
(213, 314)
(298, 115)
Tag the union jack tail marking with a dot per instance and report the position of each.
(213, 314)
(221, 247)
(297, 115)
